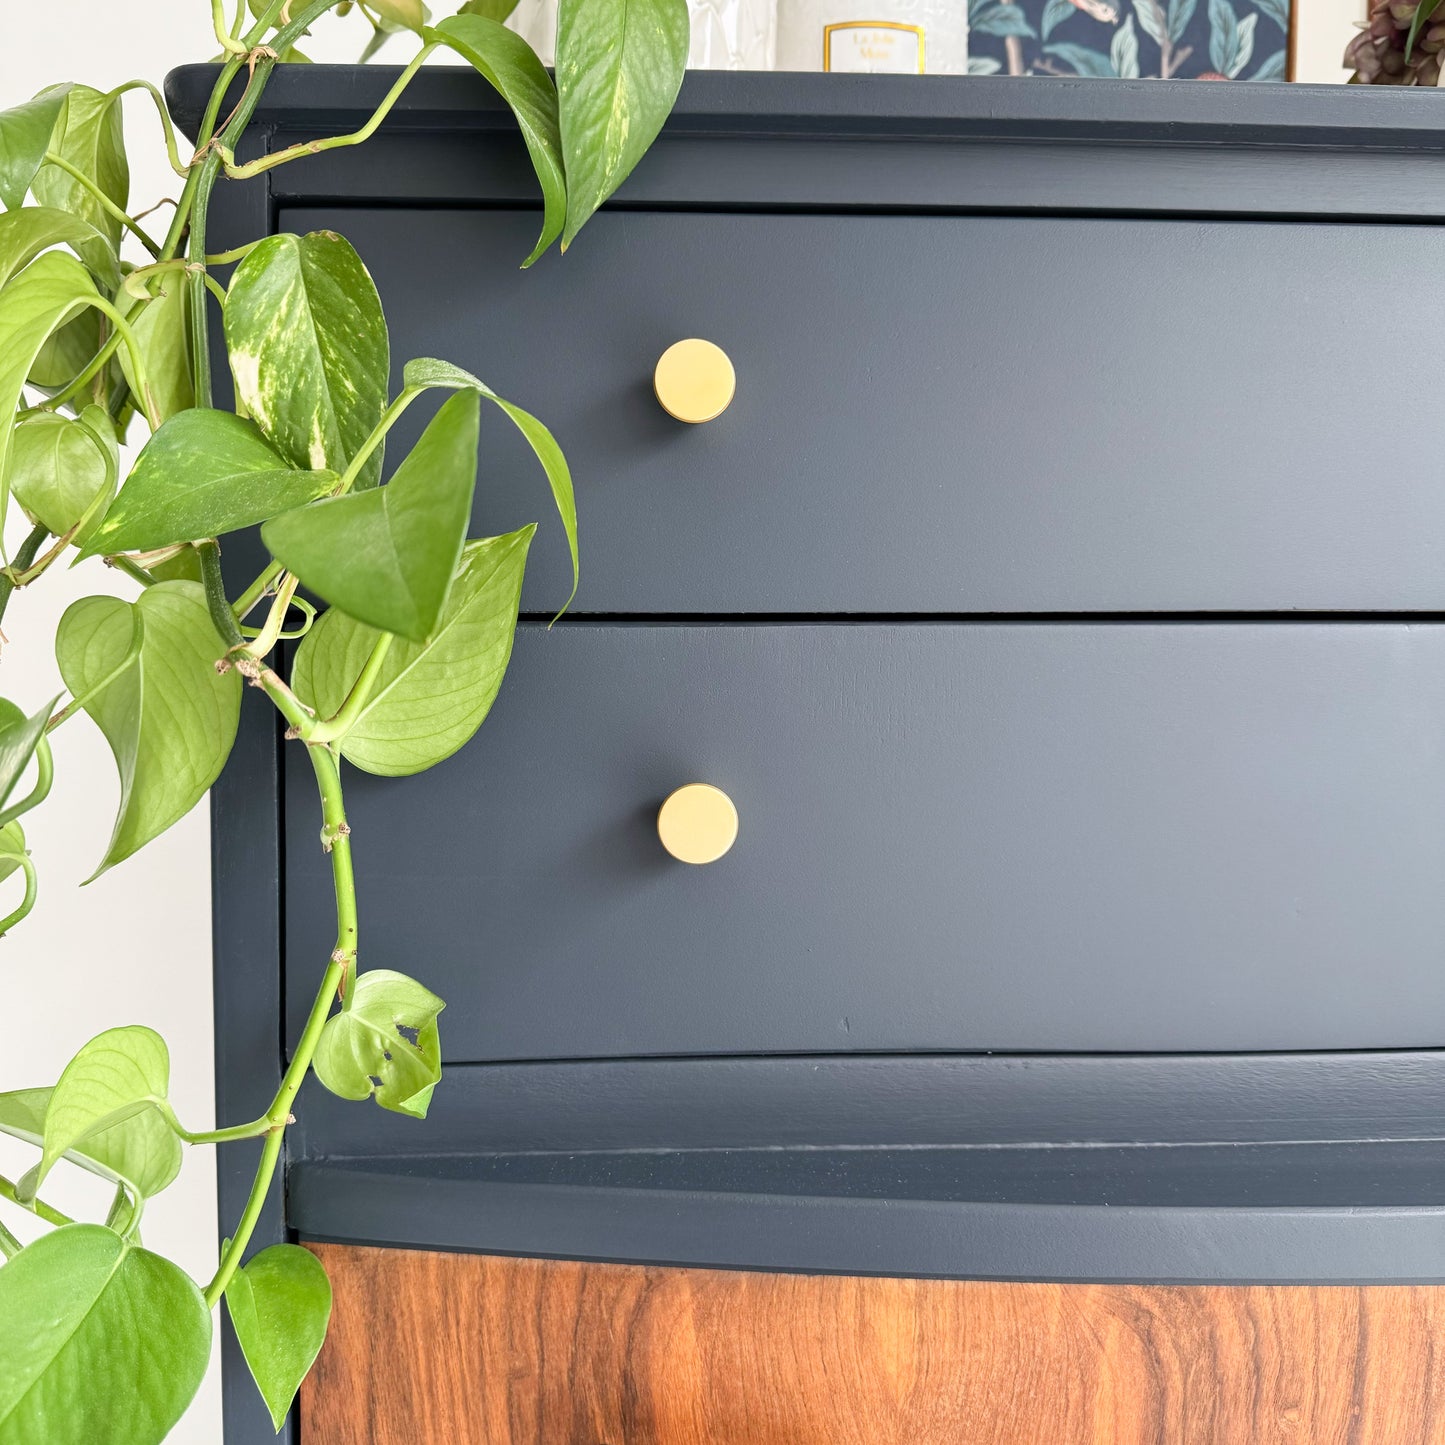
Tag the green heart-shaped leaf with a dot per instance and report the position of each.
(428, 371)
(142, 1149)
(146, 672)
(88, 134)
(163, 334)
(65, 351)
(100, 1341)
(203, 474)
(63, 471)
(280, 1304)
(619, 66)
(387, 557)
(497, 10)
(308, 347)
(429, 698)
(408, 14)
(25, 132)
(512, 69)
(117, 1076)
(25, 234)
(383, 1042)
(45, 295)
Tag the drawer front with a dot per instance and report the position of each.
(944, 414)
(561, 1353)
(953, 836)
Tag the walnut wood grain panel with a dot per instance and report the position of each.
(476, 1350)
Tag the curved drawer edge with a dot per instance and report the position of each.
(407, 1204)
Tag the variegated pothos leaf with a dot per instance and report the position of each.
(309, 351)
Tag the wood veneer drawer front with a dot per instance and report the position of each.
(944, 413)
(1051, 836)
(492, 1351)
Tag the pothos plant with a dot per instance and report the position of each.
(102, 1340)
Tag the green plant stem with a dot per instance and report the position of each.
(215, 584)
(228, 42)
(93, 368)
(137, 636)
(388, 420)
(42, 564)
(192, 210)
(223, 616)
(44, 777)
(231, 1135)
(38, 1207)
(269, 634)
(257, 590)
(333, 983)
(172, 154)
(145, 399)
(236, 253)
(32, 888)
(107, 205)
(205, 174)
(250, 1216)
(360, 694)
(9, 1245)
(336, 142)
(23, 558)
(131, 570)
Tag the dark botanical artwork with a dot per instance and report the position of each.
(1180, 39)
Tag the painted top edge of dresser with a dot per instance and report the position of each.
(977, 108)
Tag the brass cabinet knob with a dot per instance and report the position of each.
(698, 823)
(694, 380)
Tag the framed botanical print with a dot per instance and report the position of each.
(1132, 39)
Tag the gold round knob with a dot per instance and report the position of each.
(698, 823)
(694, 380)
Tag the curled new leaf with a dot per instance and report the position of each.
(384, 1042)
(510, 66)
(146, 672)
(280, 1304)
(203, 474)
(100, 1340)
(387, 556)
(308, 348)
(620, 64)
(429, 698)
(14, 856)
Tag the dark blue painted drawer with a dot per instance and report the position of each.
(1108, 836)
(944, 414)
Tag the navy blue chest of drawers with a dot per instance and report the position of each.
(1060, 603)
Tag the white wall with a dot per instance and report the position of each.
(1322, 30)
(134, 947)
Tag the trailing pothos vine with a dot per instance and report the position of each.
(106, 338)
